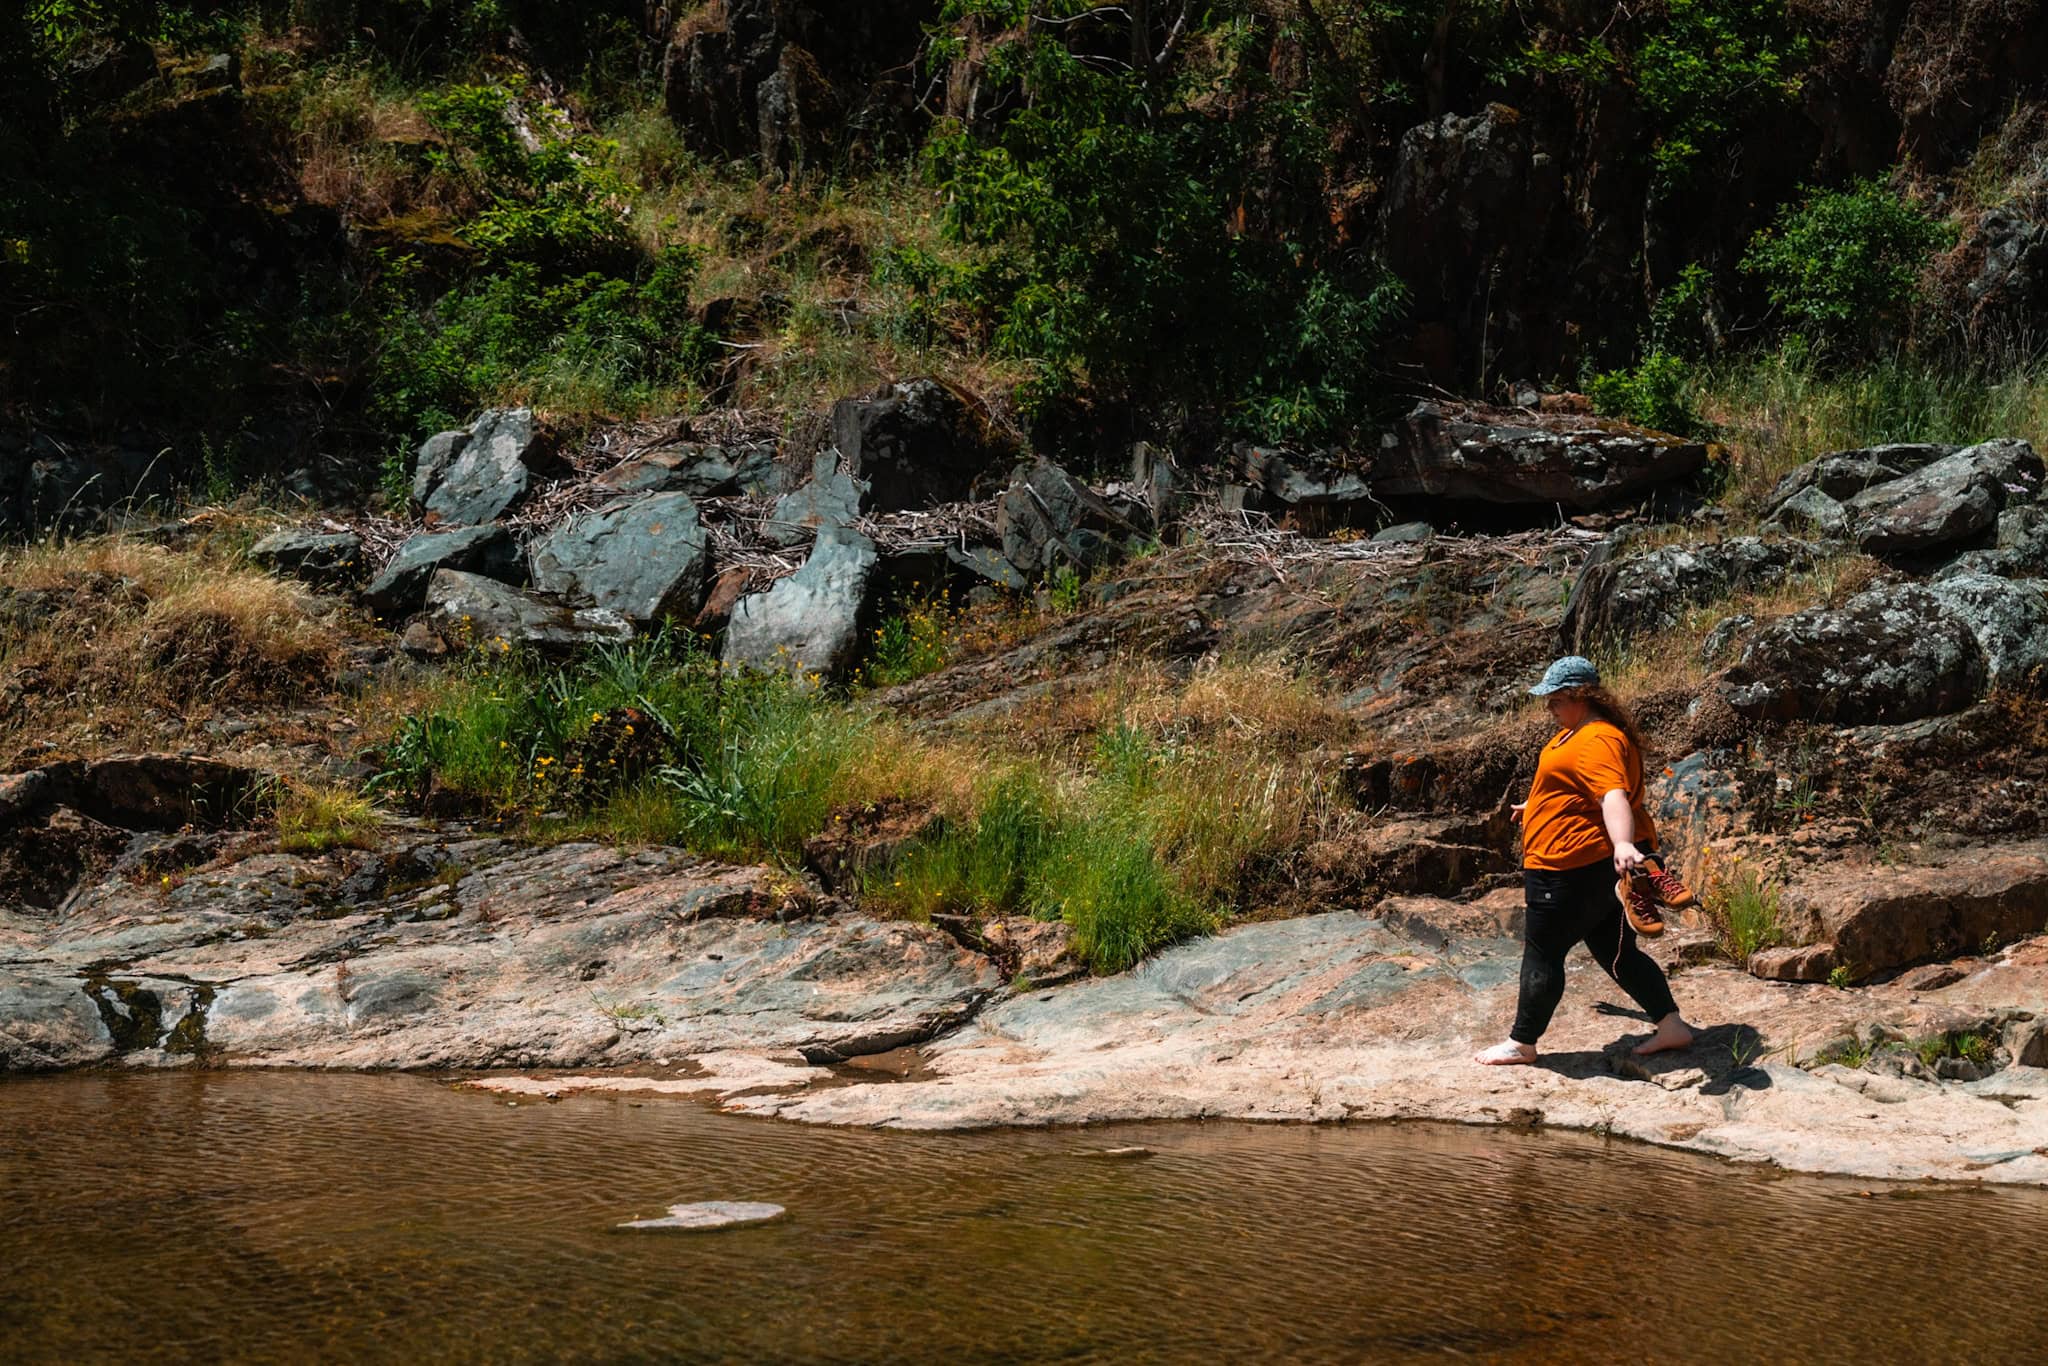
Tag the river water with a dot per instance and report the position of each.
(269, 1216)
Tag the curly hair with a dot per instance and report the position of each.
(1608, 708)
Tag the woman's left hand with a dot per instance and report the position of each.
(1627, 858)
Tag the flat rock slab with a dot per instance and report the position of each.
(710, 1214)
(1338, 1016)
(575, 956)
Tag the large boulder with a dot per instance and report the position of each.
(1890, 654)
(1809, 512)
(1499, 456)
(1049, 518)
(918, 444)
(1951, 503)
(1650, 591)
(2020, 550)
(645, 558)
(702, 471)
(491, 551)
(809, 622)
(485, 474)
(1883, 917)
(469, 609)
(321, 557)
(2009, 619)
(831, 497)
(1844, 474)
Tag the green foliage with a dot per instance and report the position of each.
(1105, 879)
(1653, 393)
(1699, 69)
(1968, 1045)
(982, 865)
(912, 641)
(560, 203)
(1745, 911)
(1844, 265)
(1063, 591)
(594, 342)
(1110, 196)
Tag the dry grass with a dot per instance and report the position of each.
(109, 641)
(314, 818)
(360, 152)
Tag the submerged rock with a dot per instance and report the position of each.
(710, 1214)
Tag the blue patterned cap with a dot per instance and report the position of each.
(1573, 671)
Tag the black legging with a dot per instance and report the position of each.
(1564, 909)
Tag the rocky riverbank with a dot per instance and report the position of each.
(671, 974)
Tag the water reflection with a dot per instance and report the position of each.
(261, 1216)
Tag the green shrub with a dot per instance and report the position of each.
(593, 343)
(1844, 265)
(1744, 908)
(1109, 197)
(1104, 878)
(1654, 394)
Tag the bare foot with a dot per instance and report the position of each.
(1672, 1032)
(1509, 1054)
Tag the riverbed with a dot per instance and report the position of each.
(263, 1216)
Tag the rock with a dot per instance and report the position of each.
(701, 471)
(422, 642)
(490, 551)
(918, 444)
(490, 472)
(2027, 1042)
(1810, 512)
(1931, 977)
(48, 1022)
(1845, 474)
(986, 562)
(1724, 636)
(430, 467)
(809, 622)
(1506, 456)
(1404, 533)
(166, 791)
(23, 794)
(1631, 595)
(832, 497)
(1879, 918)
(645, 558)
(322, 557)
(470, 610)
(1890, 654)
(711, 1214)
(1948, 503)
(2012, 277)
(71, 484)
(1810, 963)
(1041, 952)
(1049, 518)
(2009, 619)
(1295, 480)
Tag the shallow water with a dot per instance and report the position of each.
(259, 1216)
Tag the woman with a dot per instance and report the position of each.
(1582, 826)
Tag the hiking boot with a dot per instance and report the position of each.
(1638, 896)
(1669, 887)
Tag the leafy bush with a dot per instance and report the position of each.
(1654, 393)
(1845, 264)
(1111, 196)
(594, 342)
(1698, 67)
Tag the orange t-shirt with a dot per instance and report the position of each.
(1561, 827)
